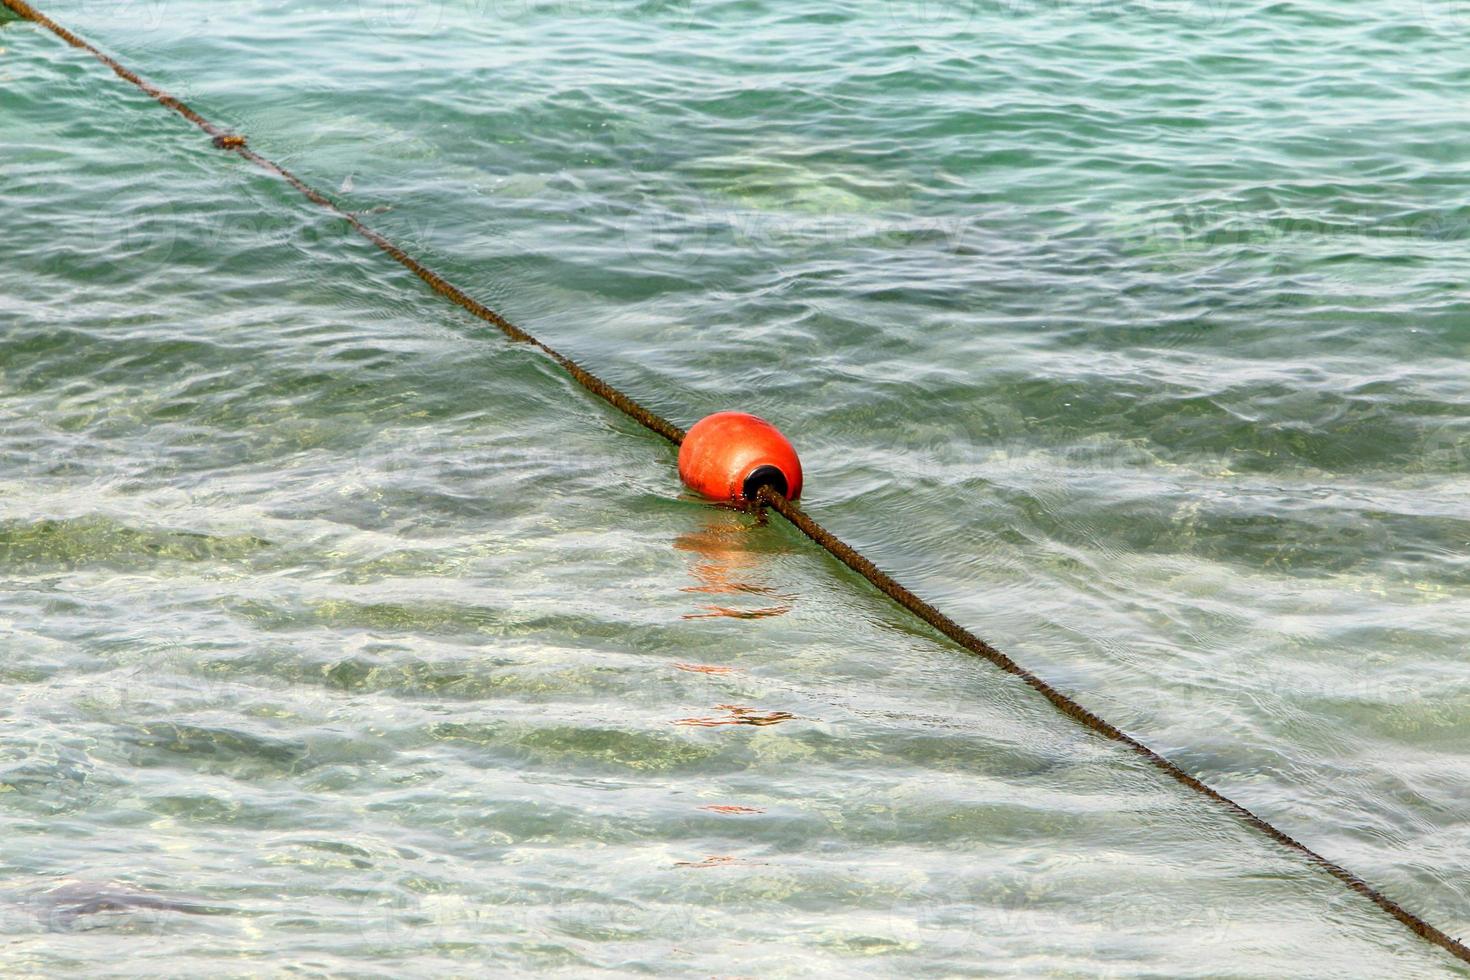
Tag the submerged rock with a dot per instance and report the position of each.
(72, 904)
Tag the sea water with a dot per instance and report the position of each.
(1131, 334)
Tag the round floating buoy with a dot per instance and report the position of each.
(731, 455)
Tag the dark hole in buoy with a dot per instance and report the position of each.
(763, 476)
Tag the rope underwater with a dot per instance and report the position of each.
(765, 496)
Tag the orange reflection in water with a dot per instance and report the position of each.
(713, 861)
(738, 715)
(724, 565)
(717, 861)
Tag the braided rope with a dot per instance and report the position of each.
(798, 518)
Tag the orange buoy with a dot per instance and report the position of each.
(731, 455)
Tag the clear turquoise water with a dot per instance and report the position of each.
(1133, 335)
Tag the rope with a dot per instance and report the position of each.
(798, 518)
(854, 560)
(238, 144)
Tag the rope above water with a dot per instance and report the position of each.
(768, 497)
